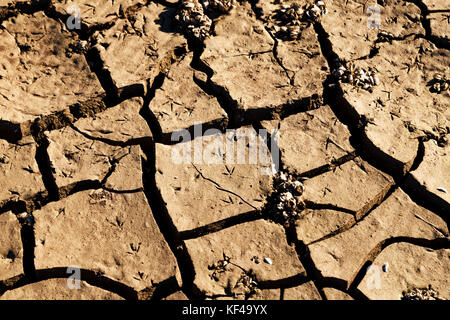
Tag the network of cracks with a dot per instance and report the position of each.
(359, 205)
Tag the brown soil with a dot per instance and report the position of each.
(88, 180)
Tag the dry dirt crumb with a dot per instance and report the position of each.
(350, 112)
(415, 294)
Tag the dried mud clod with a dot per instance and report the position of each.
(359, 77)
(218, 6)
(291, 22)
(192, 19)
(384, 36)
(195, 17)
(286, 202)
(439, 84)
(293, 19)
(438, 133)
(314, 11)
(240, 288)
(219, 267)
(246, 285)
(80, 47)
(416, 294)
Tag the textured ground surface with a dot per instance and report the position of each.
(88, 177)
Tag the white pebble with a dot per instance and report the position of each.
(286, 196)
(297, 183)
(268, 260)
(442, 189)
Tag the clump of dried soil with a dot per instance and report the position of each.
(416, 294)
(195, 17)
(286, 202)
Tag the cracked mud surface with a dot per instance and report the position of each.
(88, 177)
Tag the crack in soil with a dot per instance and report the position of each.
(399, 171)
(435, 244)
(237, 116)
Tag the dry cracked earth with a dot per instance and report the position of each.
(87, 177)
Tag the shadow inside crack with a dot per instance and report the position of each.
(220, 225)
(91, 277)
(289, 282)
(166, 21)
(165, 223)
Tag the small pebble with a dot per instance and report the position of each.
(268, 260)
(442, 189)
(22, 215)
(385, 267)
